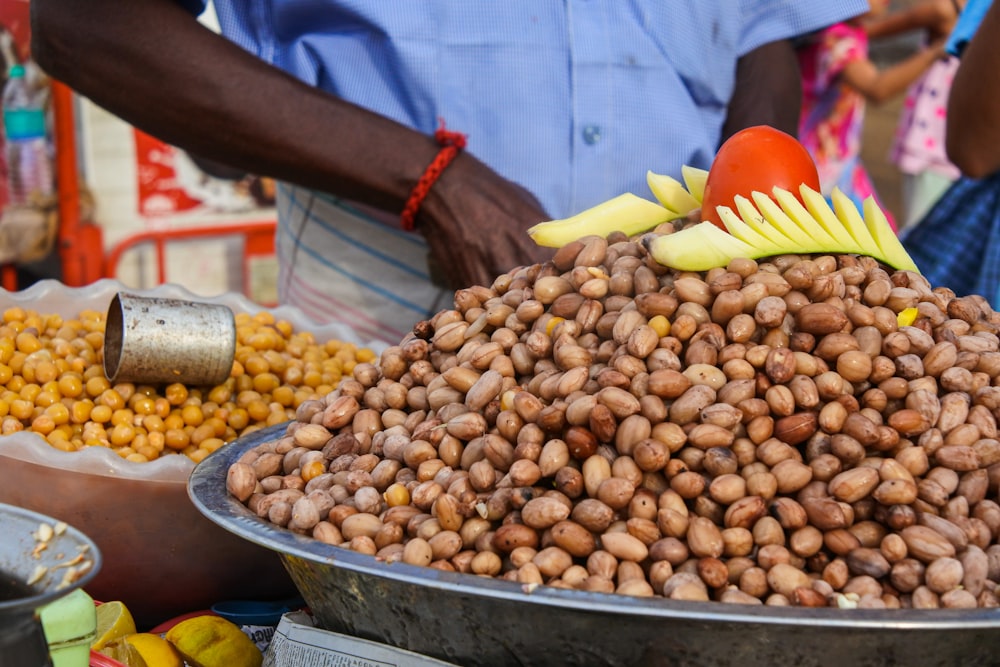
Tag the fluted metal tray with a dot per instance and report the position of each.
(470, 620)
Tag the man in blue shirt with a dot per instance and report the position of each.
(564, 104)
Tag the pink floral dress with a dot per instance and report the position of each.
(833, 113)
(919, 141)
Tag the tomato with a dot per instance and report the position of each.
(756, 158)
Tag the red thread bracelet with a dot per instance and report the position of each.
(451, 143)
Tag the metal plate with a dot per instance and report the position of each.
(475, 621)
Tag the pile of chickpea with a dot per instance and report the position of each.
(52, 382)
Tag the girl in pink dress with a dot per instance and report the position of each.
(918, 148)
(838, 79)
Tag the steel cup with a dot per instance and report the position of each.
(153, 340)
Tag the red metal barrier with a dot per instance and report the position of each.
(258, 235)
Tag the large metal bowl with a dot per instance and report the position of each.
(475, 621)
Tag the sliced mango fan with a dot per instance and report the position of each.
(761, 226)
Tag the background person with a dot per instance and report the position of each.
(918, 147)
(839, 79)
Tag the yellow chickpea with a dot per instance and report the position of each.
(58, 413)
(16, 383)
(70, 385)
(157, 440)
(46, 398)
(30, 391)
(97, 385)
(7, 347)
(27, 342)
(211, 444)
(278, 417)
(176, 393)
(198, 455)
(293, 375)
(176, 439)
(284, 395)
(256, 364)
(126, 390)
(95, 339)
(312, 378)
(10, 424)
(239, 418)
(161, 407)
(42, 424)
(80, 412)
(153, 424)
(62, 444)
(202, 433)
(244, 383)
(122, 435)
(192, 415)
(222, 393)
(148, 451)
(258, 410)
(265, 383)
(142, 405)
(122, 416)
(101, 414)
(21, 409)
(46, 371)
(173, 421)
(237, 369)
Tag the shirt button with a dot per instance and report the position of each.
(591, 134)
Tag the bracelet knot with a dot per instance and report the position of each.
(451, 143)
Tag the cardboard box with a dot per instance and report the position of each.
(297, 641)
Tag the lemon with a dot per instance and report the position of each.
(212, 641)
(123, 652)
(154, 650)
(113, 622)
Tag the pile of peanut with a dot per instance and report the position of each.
(803, 430)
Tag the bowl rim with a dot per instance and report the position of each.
(52, 593)
(207, 490)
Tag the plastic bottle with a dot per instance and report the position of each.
(29, 171)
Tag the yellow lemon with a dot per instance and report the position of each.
(154, 649)
(123, 652)
(212, 641)
(113, 622)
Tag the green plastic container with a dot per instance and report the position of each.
(70, 625)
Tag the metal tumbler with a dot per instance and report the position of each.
(151, 340)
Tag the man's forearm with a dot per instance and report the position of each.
(194, 89)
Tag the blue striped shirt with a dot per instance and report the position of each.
(574, 99)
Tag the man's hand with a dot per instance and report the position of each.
(476, 222)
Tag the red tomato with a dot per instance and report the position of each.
(757, 158)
